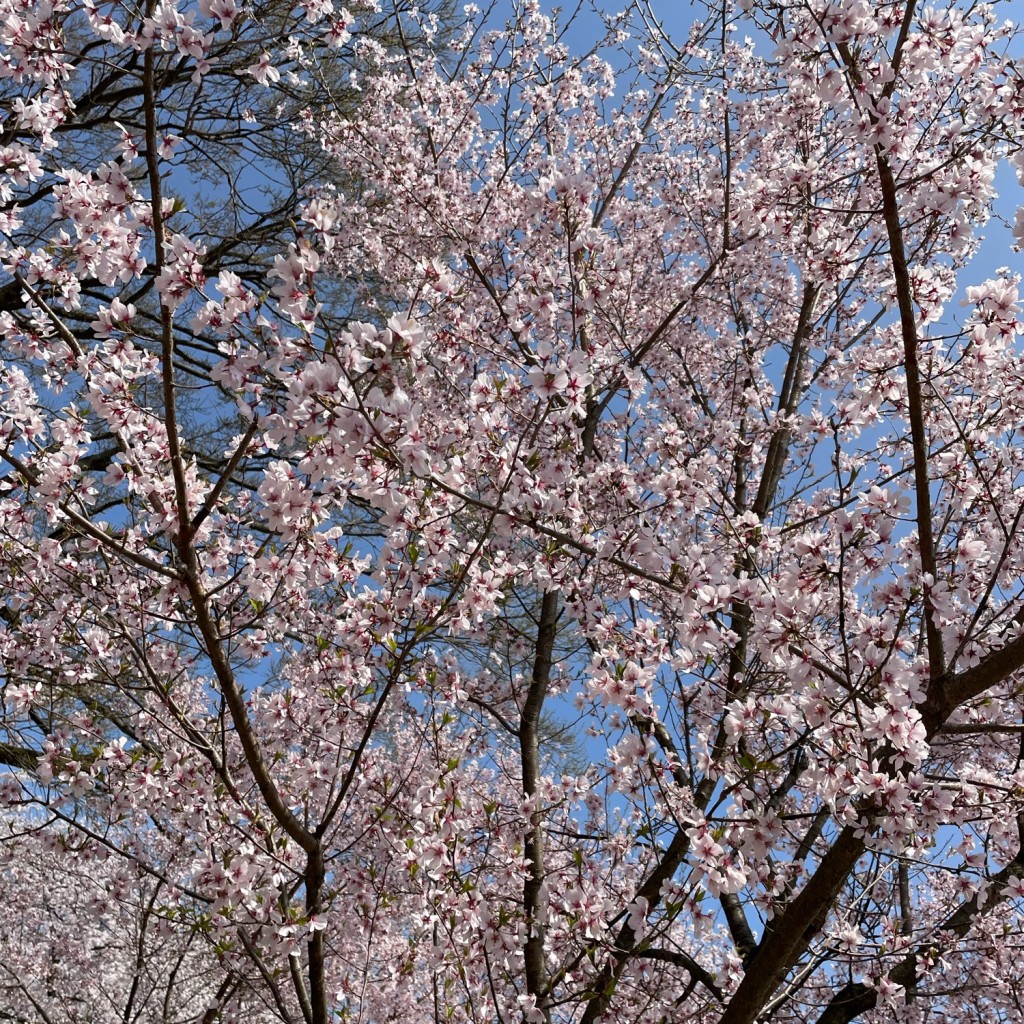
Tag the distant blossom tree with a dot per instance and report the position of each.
(609, 606)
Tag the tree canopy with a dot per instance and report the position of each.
(497, 529)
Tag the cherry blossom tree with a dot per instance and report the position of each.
(679, 675)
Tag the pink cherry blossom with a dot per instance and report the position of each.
(568, 570)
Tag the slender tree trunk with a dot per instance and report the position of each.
(529, 748)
